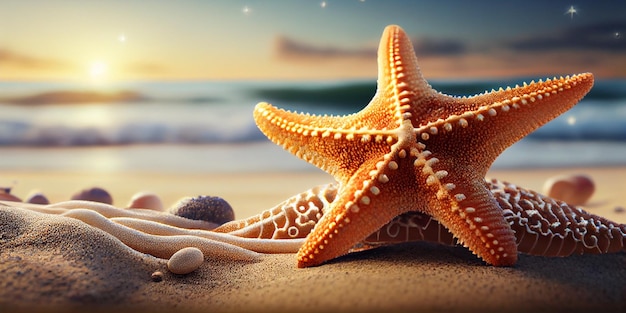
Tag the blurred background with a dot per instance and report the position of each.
(169, 86)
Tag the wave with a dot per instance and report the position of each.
(580, 124)
(24, 134)
(344, 96)
(350, 97)
(221, 112)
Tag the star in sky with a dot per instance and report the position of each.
(246, 10)
(571, 11)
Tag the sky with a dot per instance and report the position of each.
(115, 40)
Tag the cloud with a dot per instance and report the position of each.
(285, 47)
(21, 60)
(606, 36)
(594, 48)
(440, 47)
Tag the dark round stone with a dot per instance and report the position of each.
(94, 194)
(205, 208)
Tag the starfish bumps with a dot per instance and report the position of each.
(415, 149)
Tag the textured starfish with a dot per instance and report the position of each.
(542, 226)
(414, 149)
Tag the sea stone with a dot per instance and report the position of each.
(205, 208)
(37, 198)
(146, 200)
(573, 189)
(94, 194)
(185, 260)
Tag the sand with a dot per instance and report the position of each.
(53, 263)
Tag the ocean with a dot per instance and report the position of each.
(207, 126)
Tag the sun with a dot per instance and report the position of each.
(98, 70)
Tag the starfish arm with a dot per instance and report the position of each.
(397, 62)
(362, 206)
(461, 201)
(533, 103)
(337, 145)
(519, 111)
(291, 219)
(401, 88)
(499, 118)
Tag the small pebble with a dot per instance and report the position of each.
(573, 189)
(145, 200)
(204, 208)
(94, 194)
(157, 276)
(185, 260)
(37, 198)
(619, 209)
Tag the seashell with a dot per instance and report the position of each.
(573, 189)
(145, 200)
(37, 198)
(94, 194)
(205, 208)
(185, 260)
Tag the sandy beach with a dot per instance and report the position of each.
(53, 263)
(221, 116)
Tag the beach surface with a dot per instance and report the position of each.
(52, 263)
(251, 193)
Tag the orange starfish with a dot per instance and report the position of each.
(415, 149)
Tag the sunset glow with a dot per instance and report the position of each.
(191, 40)
(98, 70)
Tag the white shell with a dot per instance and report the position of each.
(185, 260)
